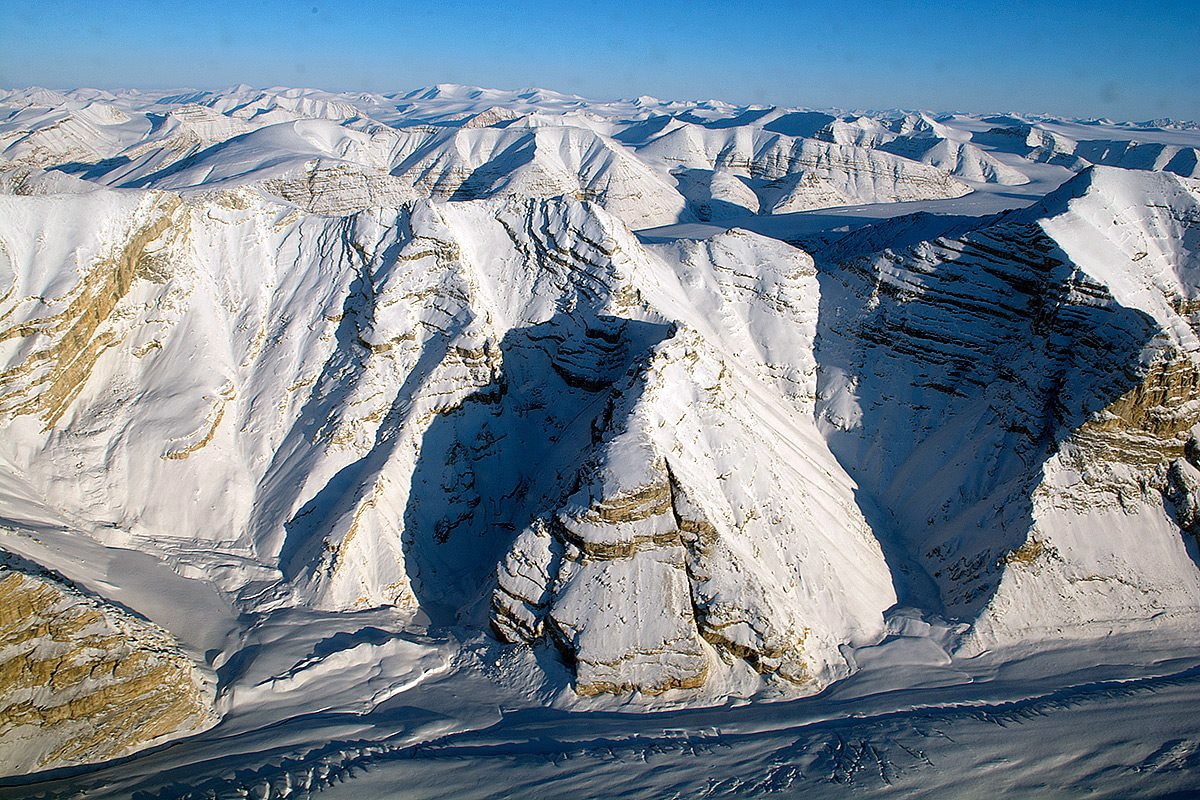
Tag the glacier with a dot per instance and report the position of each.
(509, 429)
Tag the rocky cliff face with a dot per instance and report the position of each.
(1055, 371)
(659, 565)
(428, 367)
(81, 680)
(1110, 513)
(496, 377)
(746, 564)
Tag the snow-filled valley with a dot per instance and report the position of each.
(476, 443)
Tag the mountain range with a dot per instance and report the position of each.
(338, 426)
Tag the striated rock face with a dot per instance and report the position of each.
(786, 173)
(1038, 143)
(622, 605)
(383, 406)
(477, 163)
(421, 361)
(1037, 376)
(613, 591)
(744, 566)
(632, 579)
(74, 336)
(340, 189)
(924, 139)
(958, 158)
(1113, 502)
(82, 681)
(813, 174)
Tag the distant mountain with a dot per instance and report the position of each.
(371, 417)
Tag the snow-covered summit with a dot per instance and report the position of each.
(537, 396)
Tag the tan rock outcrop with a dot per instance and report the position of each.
(82, 681)
(70, 341)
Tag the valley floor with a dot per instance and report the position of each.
(1110, 718)
(1119, 739)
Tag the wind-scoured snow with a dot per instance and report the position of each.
(765, 450)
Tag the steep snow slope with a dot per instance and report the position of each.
(70, 133)
(1013, 400)
(1111, 502)
(761, 554)
(544, 161)
(369, 410)
(921, 138)
(791, 174)
(387, 391)
(961, 159)
(275, 104)
(1050, 144)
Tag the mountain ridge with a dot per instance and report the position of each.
(532, 395)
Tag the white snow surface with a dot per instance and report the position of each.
(506, 443)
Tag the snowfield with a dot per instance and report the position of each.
(475, 443)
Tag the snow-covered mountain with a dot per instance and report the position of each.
(327, 402)
(1037, 374)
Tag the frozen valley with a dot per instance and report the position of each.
(472, 443)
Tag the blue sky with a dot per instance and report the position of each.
(1117, 59)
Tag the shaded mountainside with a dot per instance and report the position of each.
(394, 382)
(407, 394)
(1013, 399)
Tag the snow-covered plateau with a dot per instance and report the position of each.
(477, 443)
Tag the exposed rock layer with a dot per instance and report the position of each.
(82, 681)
